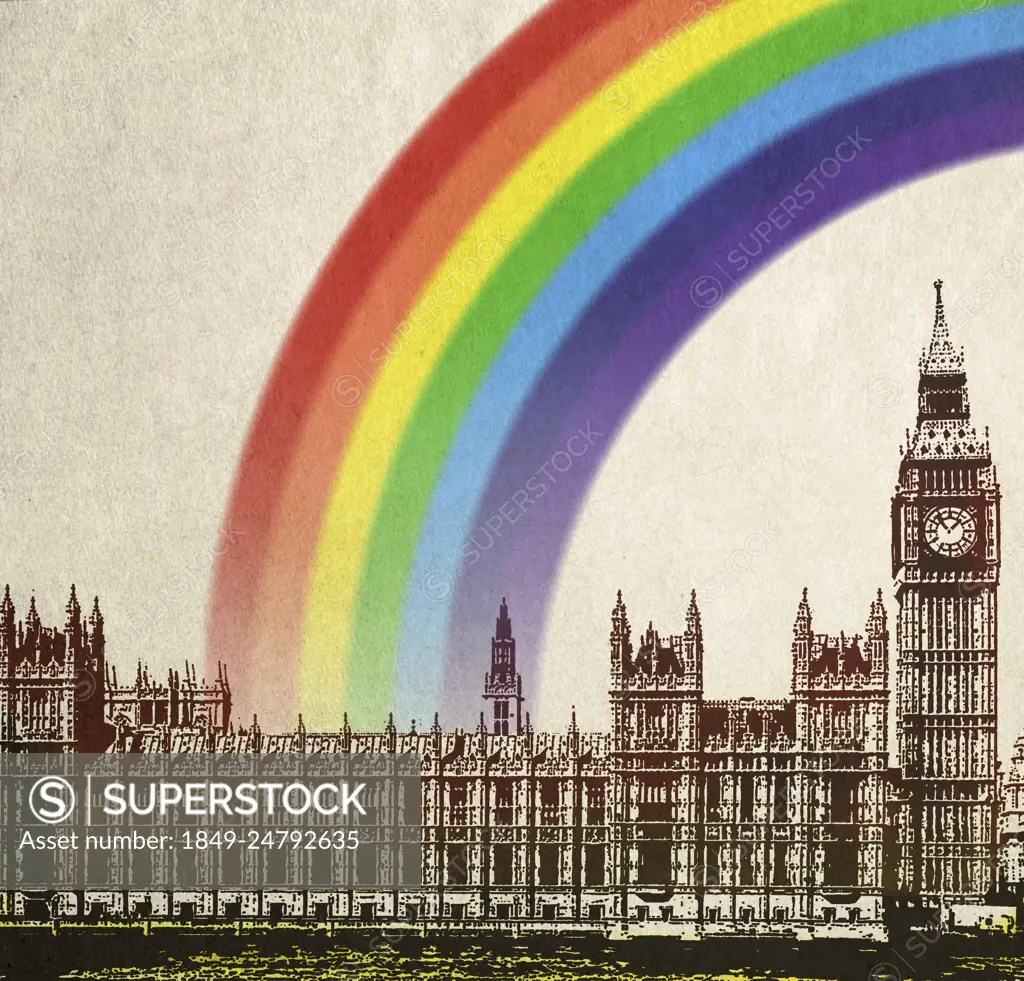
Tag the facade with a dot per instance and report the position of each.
(693, 816)
(52, 695)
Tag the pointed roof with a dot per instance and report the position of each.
(7, 607)
(503, 625)
(620, 622)
(877, 607)
(941, 358)
(693, 614)
(802, 625)
(32, 617)
(944, 429)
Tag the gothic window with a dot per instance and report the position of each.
(595, 801)
(320, 872)
(458, 865)
(654, 862)
(780, 810)
(844, 797)
(412, 864)
(713, 797)
(547, 865)
(501, 873)
(366, 863)
(841, 862)
(654, 801)
(780, 870)
(549, 801)
(501, 718)
(747, 797)
(746, 865)
(594, 872)
(458, 792)
(503, 802)
(713, 865)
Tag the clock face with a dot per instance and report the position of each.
(950, 531)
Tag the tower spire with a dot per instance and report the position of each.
(503, 684)
(944, 429)
(7, 610)
(31, 622)
(941, 358)
(877, 620)
(693, 617)
(96, 618)
(503, 625)
(73, 620)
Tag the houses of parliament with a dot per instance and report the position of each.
(694, 816)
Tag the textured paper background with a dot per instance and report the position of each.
(174, 174)
(140, 320)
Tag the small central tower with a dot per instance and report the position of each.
(503, 685)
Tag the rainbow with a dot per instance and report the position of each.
(528, 265)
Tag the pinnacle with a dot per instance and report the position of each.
(941, 358)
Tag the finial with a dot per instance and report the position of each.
(805, 593)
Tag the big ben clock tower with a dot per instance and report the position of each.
(945, 549)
